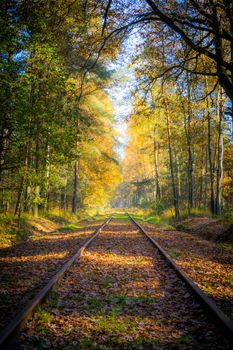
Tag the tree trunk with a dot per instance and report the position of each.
(178, 174)
(206, 177)
(18, 206)
(157, 184)
(18, 202)
(63, 199)
(174, 187)
(220, 155)
(202, 176)
(37, 186)
(36, 206)
(74, 199)
(211, 170)
(190, 151)
(64, 196)
(47, 175)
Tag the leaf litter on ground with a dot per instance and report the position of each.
(121, 295)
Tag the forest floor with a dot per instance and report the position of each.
(208, 263)
(121, 295)
(28, 265)
(208, 228)
(15, 231)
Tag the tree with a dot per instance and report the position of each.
(205, 27)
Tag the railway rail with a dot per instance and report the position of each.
(217, 316)
(9, 334)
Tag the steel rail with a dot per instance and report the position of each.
(212, 310)
(8, 335)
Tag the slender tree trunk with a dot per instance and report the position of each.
(219, 155)
(211, 170)
(18, 206)
(36, 206)
(63, 199)
(190, 151)
(47, 174)
(177, 162)
(202, 176)
(157, 184)
(37, 186)
(75, 187)
(64, 194)
(206, 176)
(18, 202)
(27, 199)
(174, 187)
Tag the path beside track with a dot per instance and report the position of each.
(121, 295)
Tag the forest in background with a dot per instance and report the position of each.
(57, 137)
(57, 134)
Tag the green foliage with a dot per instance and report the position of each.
(157, 207)
(68, 227)
(13, 230)
(50, 116)
(85, 343)
(43, 318)
(229, 281)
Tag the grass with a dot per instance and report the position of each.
(110, 324)
(85, 343)
(227, 247)
(113, 304)
(33, 341)
(173, 253)
(52, 300)
(14, 230)
(229, 280)
(121, 217)
(68, 227)
(151, 219)
(43, 318)
(183, 341)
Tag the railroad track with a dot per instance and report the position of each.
(216, 315)
(27, 267)
(8, 335)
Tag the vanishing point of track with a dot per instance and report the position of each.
(9, 334)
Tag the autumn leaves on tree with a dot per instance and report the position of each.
(56, 119)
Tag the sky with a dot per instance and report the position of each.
(120, 95)
(120, 90)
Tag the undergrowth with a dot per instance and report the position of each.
(13, 229)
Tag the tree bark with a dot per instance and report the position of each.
(75, 187)
(157, 184)
(206, 177)
(219, 155)
(211, 170)
(190, 150)
(37, 186)
(18, 202)
(202, 176)
(174, 187)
